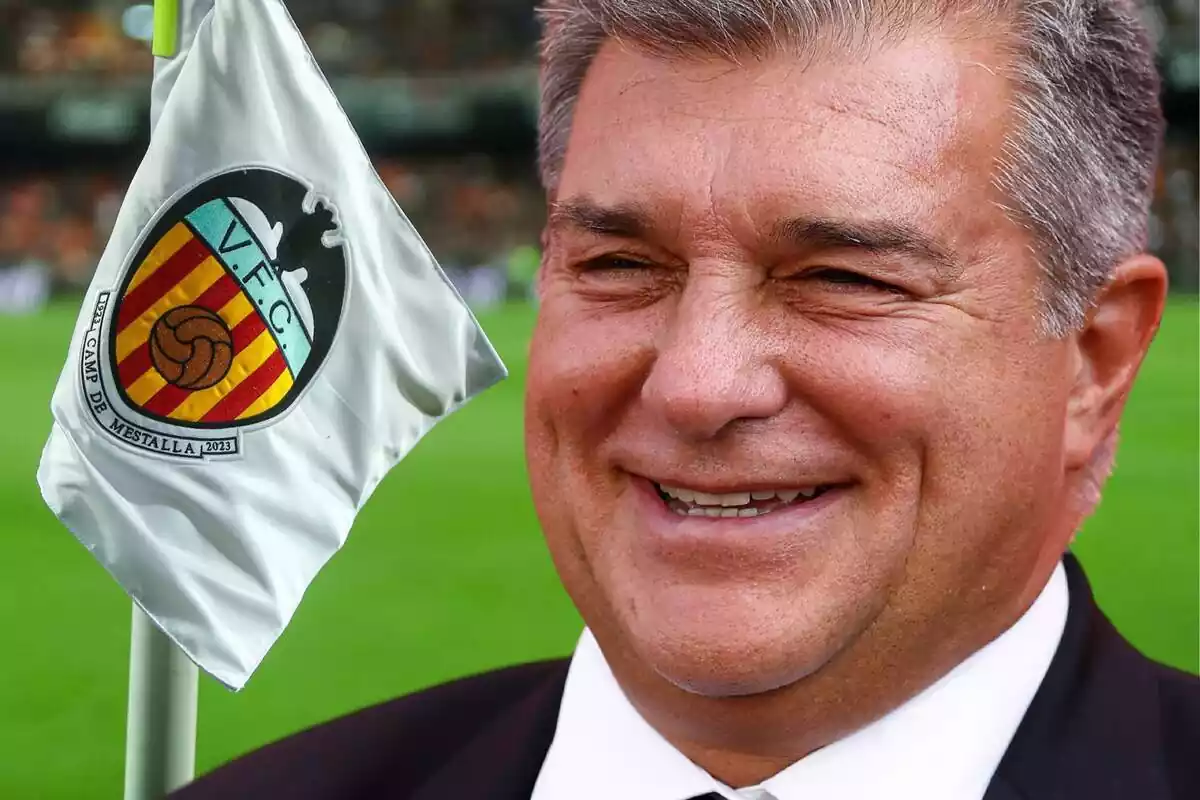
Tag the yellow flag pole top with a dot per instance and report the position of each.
(166, 28)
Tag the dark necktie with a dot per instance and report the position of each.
(709, 796)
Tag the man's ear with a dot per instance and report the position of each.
(1108, 352)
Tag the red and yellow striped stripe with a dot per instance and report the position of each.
(167, 246)
(162, 272)
(252, 390)
(181, 271)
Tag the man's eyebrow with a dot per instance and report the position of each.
(623, 220)
(876, 236)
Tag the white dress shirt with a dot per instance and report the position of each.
(943, 744)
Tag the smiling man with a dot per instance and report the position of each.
(840, 307)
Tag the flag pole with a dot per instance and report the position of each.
(160, 732)
(160, 728)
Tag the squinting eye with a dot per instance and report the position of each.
(615, 263)
(847, 278)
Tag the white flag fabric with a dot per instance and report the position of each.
(265, 337)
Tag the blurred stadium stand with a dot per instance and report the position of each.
(443, 92)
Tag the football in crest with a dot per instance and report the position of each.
(191, 347)
(231, 303)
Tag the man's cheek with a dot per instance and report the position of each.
(876, 399)
(592, 366)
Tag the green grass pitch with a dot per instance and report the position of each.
(445, 573)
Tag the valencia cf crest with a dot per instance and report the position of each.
(224, 314)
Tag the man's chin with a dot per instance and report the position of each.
(738, 668)
(715, 645)
(718, 683)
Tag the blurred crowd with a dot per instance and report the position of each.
(55, 37)
(106, 38)
(361, 37)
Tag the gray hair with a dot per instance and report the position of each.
(1077, 169)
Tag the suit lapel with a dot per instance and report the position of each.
(1093, 729)
(503, 760)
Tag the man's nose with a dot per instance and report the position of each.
(713, 366)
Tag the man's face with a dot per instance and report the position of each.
(788, 401)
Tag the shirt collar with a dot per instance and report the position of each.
(943, 744)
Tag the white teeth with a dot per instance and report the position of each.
(729, 512)
(706, 499)
(747, 512)
(733, 500)
(713, 512)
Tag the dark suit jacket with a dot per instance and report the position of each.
(1106, 724)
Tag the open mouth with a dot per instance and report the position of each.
(691, 503)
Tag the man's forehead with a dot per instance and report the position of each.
(875, 137)
(916, 85)
(911, 104)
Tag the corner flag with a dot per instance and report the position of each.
(265, 337)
